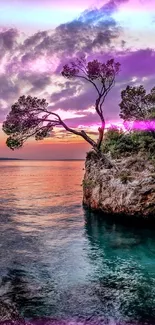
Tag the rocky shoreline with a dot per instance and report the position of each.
(126, 186)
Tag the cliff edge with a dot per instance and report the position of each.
(126, 186)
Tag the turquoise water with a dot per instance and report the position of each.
(60, 261)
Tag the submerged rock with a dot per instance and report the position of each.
(126, 186)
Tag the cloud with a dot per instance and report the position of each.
(32, 65)
(27, 64)
(8, 40)
(66, 92)
(92, 31)
(8, 89)
(36, 81)
(140, 63)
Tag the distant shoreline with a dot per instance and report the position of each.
(11, 159)
(3, 159)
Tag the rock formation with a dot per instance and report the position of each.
(126, 186)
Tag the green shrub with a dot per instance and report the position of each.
(119, 143)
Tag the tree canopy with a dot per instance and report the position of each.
(136, 104)
(30, 116)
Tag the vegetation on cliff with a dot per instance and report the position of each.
(123, 144)
(137, 109)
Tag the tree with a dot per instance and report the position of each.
(138, 107)
(30, 116)
(136, 104)
(101, 76)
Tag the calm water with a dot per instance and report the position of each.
(58, 261)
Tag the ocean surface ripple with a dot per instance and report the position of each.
(61, 262)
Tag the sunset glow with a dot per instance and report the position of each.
(36, 40)
(140, 125)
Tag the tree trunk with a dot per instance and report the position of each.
(101, 133)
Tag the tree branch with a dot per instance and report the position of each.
(93, 83)
(81, 133)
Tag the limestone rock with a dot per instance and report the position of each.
(125, 186)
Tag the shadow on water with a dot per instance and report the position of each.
(21, 293)
(124, 256)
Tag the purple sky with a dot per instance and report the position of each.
(37, 37)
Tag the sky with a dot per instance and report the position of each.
(38, 37)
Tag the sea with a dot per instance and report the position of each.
(60, 261)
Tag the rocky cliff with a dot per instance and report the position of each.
(125, 186)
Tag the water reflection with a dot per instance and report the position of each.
(60, 261)
(125, 273)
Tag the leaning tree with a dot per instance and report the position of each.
(30, 116)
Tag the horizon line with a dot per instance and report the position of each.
(61, 159)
